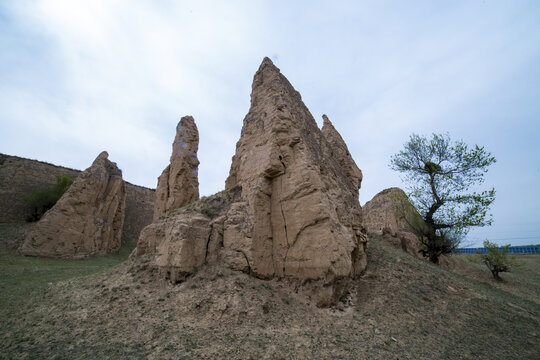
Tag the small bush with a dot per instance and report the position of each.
(496, 260)
(44, 198)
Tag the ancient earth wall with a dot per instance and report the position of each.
(385, 210)
(139, 210)
(20, 176)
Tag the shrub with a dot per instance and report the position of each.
(496, 260)
(44, 198)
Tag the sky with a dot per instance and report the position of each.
(80, 77)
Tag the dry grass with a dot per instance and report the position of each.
(523, 279)
(401, 308)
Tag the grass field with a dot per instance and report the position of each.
(401, 308)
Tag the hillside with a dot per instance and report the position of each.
(401, 307)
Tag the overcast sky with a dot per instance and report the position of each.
(79, 77)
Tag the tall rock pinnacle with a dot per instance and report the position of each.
(300, 217)
(178, 184)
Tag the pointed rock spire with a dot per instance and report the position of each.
(341, 153)
(178, 185)
(300, 216)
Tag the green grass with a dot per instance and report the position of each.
(24, 276)
(523, 279)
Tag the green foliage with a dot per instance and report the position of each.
(440, 174)
(496, 260)
(44, 198)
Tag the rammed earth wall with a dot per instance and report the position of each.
(19, 177)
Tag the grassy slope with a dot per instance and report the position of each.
(523, 280)
(401, 308)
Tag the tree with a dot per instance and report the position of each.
(44, 198)
(440, 174)
(495, 259)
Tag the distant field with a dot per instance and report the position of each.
(401, 307)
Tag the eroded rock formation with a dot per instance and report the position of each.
(340, 152)
(391, 214)
(388, 209)
(19, 177)
(300, 215)
(183, 240)
(178, 185)
(88, 218)
(291, 205)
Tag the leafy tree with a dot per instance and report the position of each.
(440, 174)
(44, 198)
(496, 261)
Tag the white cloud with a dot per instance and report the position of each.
(118, 75)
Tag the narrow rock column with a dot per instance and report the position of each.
(178, 184)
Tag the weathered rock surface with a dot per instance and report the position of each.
(20, 176)
(391, 214)
(404, 240)
(139, 211)
(297, 215)
(178, 185)
(389, 208)
(340, 152)
(178, 243)
(88, 218)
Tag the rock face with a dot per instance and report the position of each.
(178, 185)
(387, 209)
(19, 177)
(391, 214)
(292, 207)
(299, 216)
(185, 239)
(340, 152)
(88, 218)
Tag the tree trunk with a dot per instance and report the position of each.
(496, 275)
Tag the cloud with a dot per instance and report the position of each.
(79, 77)
(129, 70)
